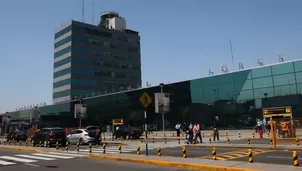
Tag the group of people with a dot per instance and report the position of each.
(193, 132)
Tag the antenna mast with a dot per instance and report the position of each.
(92, 12)
(83, 11)
(232, 54)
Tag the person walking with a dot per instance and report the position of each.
(178, 127)
(261, 133)
(196, 130)
(215, 133)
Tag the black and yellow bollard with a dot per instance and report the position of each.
(250, 154)
(271, 141)
(210, 140)
(153, 140)
(57, 145)
(239, 134)
(142, 140)
(226, 133)
(297, 141)
(165, 140)
(214, 153)
(66, 148)
(40, 143)
(130, 138)
(184, 152)
(48, 144)
(295, 157)
(138, 150)
(104, 148)
(20, 143)
(78, 147)
(248, 140)
(228, 140)
(253, 134)
(268, 134)
(15, 142)
(203, 135)
(90, 148)
(178, 140)
(120, 148)
(158, 151)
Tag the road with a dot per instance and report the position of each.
(12, 161)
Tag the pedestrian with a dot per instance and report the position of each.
(178, 127)
(196, 130)
(261, 133)
(97, 136)
(215, 133)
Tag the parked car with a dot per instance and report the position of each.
(92, 130)
(17, 136)
(80, 136)
(127, 132)
(53, 135)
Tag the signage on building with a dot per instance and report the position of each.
(162, 102)
(117, 121)
(277, 111)
(80, 110)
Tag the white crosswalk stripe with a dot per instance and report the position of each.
(35, 157)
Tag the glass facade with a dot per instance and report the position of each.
(235, 98)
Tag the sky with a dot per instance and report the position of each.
(180, 40)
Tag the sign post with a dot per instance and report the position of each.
(145, 100)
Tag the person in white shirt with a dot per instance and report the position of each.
(178, 127)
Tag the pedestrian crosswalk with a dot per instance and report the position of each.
(35, 157)
(127, 148)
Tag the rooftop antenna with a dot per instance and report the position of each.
(232, 54)
(83, 11)
(92, 12)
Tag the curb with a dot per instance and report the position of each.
(234, 147)
(21, 149)
(171, 164)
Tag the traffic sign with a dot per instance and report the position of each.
(277, 111)
(145, 100)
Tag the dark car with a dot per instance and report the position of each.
(124, 132)
(53, 135)
(17, 136)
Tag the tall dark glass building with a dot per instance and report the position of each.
(236, 99)
(93, 59)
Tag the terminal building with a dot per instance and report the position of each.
(235, 99)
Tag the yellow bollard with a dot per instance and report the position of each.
(142, 140)
(90, 148)
(248, 140)
(268, 134)
(210, 140)
(271, 141)
(78, 147)
(158, 151)
(202, 135)
(239, 134)
(297, 141)
(20, 143)
(153, 140)
(40, 143)
(214, 153)
(184, 152)
(66, 148)
(130, 138)
(57, 145)
(228, 140)
(250, 154)
(295, 157)
(253, 134)
(104, 148)
(120, 148)
(138, 150)
(165, 140)
(226, 133)
(48, 144)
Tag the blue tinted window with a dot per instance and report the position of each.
(62, 52)
(62, 62)
(242, 75)
(261, 72)
(62, 72)
(83, 82)
(285, 90)
(298, 66)
(80, 39)
(61, 94)
(299, 88)
(62, 32)
(226, 91)
(82, 60)
(283, 68)
(243, 85)
(206, 81)
(260, 93)
(83, 92)
(83, 71)
(61, 83)
(245, 95)
(299, 77)
(226, 78)
(284, 79)
(63, 41)
(263, 82)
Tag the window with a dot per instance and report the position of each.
(244, 85)
(245, 95)
(226, 91)
(263, 93)
(83, 71)
(299, 88)
(284, 79)
(226, 78)
(98, 33)
(298, 66)
(299, 77)
(62, 52)
(207, 81)
(283, 68)
(242, 75)
(63, 41)
(62, 72)
(263, 82)
(286, 90)
(261, 72)
(82, 60)
(62, 62)
(61, 83)
(62, 32)
(112, 74)
(61, 94)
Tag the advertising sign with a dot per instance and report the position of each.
(80, 110)
(162, 102)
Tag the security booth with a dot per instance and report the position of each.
(116, 124)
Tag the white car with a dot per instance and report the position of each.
(80, 136)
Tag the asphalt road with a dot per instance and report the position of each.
(75, 164)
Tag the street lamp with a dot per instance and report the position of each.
(163, 116)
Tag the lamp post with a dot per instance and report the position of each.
(163, 115)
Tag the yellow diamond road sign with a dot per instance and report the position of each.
(145, 100)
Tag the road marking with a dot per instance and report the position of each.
(67, 154)
(53, 156)
(279, 157)
(5, 163)
(34, 157)
(17, 159)
(31, 164)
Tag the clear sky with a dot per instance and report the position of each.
(180, 39)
